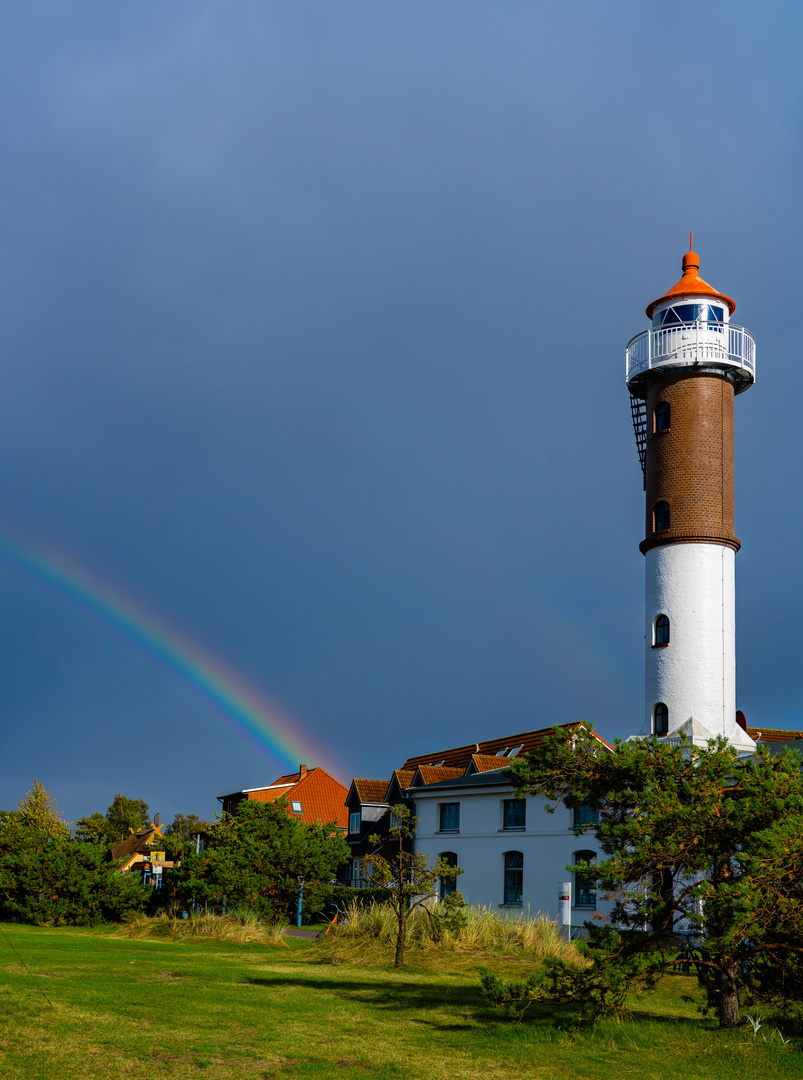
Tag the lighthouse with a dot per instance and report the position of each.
(683, 374)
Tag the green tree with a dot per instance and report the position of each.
(694, 837)
(93, 829)
(182, 826)
(407, 876)
(52, 880)
(40, 811)
(256, 858)
(125, 815)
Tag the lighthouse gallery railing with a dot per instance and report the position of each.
(724, 344)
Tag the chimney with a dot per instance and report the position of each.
(156, 820)
(302, 771)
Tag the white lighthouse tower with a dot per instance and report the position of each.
(683, 373)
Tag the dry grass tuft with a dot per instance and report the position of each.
(243, 926)
(481, 930)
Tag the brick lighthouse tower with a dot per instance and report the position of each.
(683, 374)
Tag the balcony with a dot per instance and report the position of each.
(704, 345)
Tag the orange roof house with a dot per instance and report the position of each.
(313, 796)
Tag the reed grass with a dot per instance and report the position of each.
(242, 925)
(480, 930)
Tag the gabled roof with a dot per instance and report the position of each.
(136, 843)
(371, 791)
(502, 749)
(487, 763)
(493, 778)
(322, 797)
(428, 774)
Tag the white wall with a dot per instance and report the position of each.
(695, 675)
(547, 844)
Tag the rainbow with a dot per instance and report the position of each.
(247, 712)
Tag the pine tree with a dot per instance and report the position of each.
(694, 838)
(40, 811)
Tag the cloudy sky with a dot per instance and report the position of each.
(313, 329)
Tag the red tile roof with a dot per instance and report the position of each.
(458, 757)
(371, 791)
(487, 762)
(322, 798)
(761, 734)
(431, 775)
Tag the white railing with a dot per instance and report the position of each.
(686, 344)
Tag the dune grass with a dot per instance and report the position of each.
(368, 933)
(96, 1004)
(242, 925)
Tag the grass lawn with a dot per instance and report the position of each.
(152, 1008)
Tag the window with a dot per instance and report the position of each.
(683, 314)
(515, 750)
(514, 877)
(661, 517)
(660, 719)
(660, 631)
(296, 807)
(514, 813)
(663, 416)
(447, 884)
(585, 892)
(355, 821)
(585, 814)
(449, 817)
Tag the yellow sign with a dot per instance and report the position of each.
(157, 856)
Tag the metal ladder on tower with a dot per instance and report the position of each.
(638, 413)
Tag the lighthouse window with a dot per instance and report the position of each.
(663, 416)
(660, 719)
(680, 314)
(660, 633)
(661, 516)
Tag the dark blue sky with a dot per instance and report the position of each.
(314, 320)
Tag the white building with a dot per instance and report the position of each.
(513, 852)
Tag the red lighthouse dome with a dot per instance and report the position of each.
(691, 284)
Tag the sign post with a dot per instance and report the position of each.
(565, 907)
